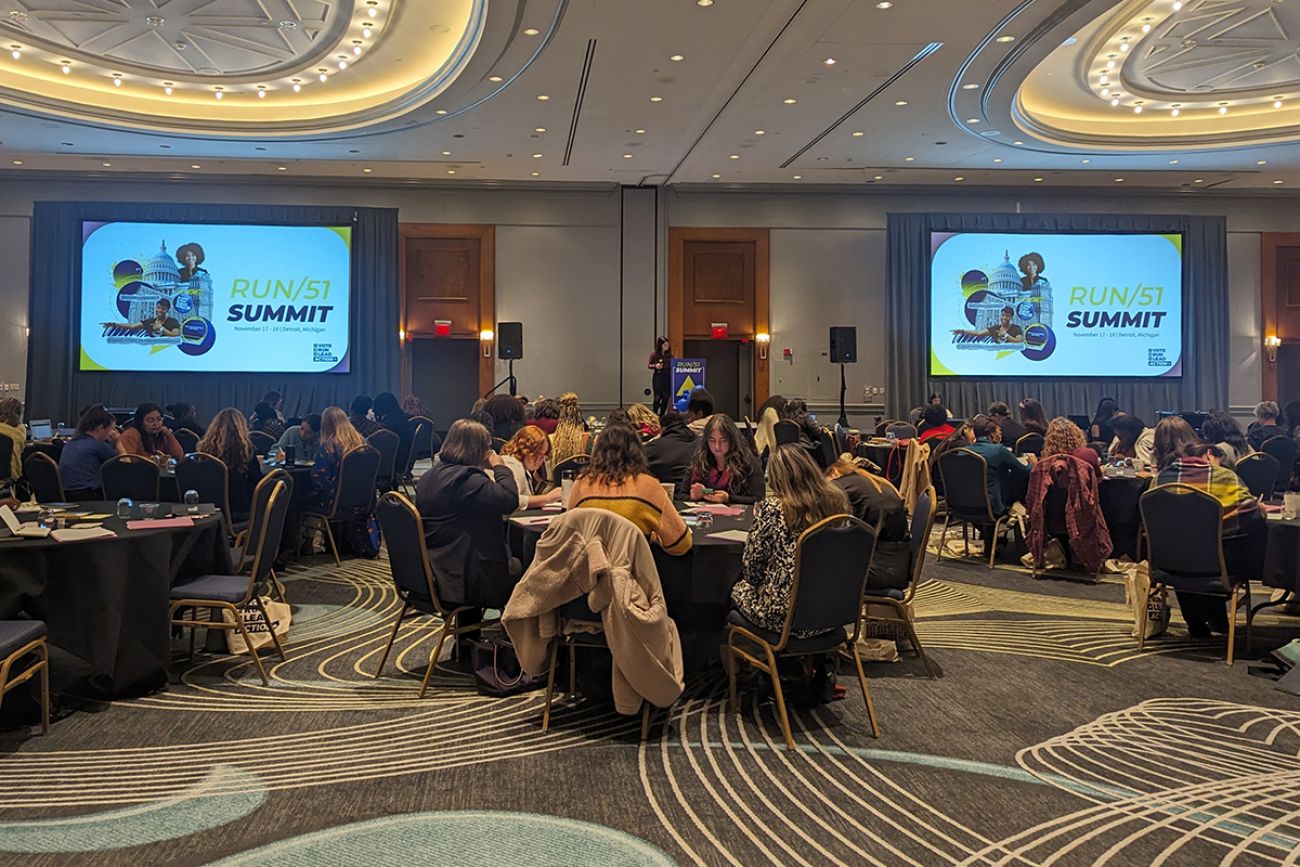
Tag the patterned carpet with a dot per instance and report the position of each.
(1049, 740)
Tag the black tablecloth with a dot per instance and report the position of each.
(105, 601)
(1282, 554)
(696, 585)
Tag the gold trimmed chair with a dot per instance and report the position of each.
(900, 599)
(19, 639)
(237, 593)
(964, 475)
(132, 476)
(210, 477)
(408, 558)
(354, 493)
(831, 561)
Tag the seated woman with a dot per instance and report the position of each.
(546, 414)
(1102, 429)
(186, 417)
(388, 412)
(525, 455)
(227, 439)
(724, 469)
(463, 499)
(645, 421)
(93, 444)
(874, 499)
(570, 437)
(935, 423)
(1222, 431)
(1064, 437)
(798, 497)
(619, 479)
(11, 426)
(148, 437)
(1133, 439)
(1182, 458)
(1007, 478)
(266, 420)
(1033, 417)
(337, 438)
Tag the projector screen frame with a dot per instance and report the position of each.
(78, 296)
(1184, 343)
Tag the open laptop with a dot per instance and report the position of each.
(41, 429)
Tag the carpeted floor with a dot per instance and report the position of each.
(1048, 740)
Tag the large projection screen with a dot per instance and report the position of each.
(1059, 305)
(215, 298)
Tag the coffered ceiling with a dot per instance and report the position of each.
(1193, 95)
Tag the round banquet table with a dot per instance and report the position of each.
(696, 585)
(105, 601)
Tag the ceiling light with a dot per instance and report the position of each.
(1038, 180)
(1277, 182)
(884, 4)
(323, 78)
(857, 133)
(541, 97)
(1005, 39)
(539, 129)
(297, 87)
(900, 102)
(716, 176)
(531, 31)
(637, 131)
(1137, 109)
(442, 111)
(16, 53)
(367, 171)
(908, 159)
(1199, 181)
(677, 58)
(1085, 162)
(282, 168)
(117, 80)
(1174, 113)
(167, 89)
(1119, 180)
(1146, 28)
(218, 94)
(66, 67)
(1173, 162)
(196, 166)
(1105, 79)
(366, 31)
(1261, 162)
(1277, 103)
(261, 92)
(703, 2)
(790, 100)
(656, 99)
(1105, 92)
(972, 120)
(1115, 101)
(356, 50)
(1110, 64)
(627, 156)
(343, 64)
(446, 153)
(1177, 5)
(798, 177)
(372, 11)
(880, 177)
(495, 79)
(760, 132)
(830, 61)
(536, 174)
(537, 156)
(971, 86)
(451, 171)
(18, 162)
(1223, 109)
(1123, 46)
(734, 157)
(997, 159)
(959, 178)
(1017, 143)
(107, 165)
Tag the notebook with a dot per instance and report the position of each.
(29, 530)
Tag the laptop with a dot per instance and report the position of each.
(1082, 422)
(41, 429)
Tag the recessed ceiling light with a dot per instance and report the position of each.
(880, 177)
(1119, 180)
(1277, 103)
(495, 79)
(1278, 181)
(971, 86)
(830, 61)
(1123, 46)
(908, 159)
(627, 156)
(1005, 39)
(451, 171)
(297, 88)
(716, 176)
(372, 12)
(1261, 162)
(282, 168)
(446, 153)
(323, 78)
(1105, 79)
(1173, 162)
(342, 65)
(218, 94)
(1017, 142)
(900, 102)
(884, 4)
(997, 159)
(677, 58)
(356, 49)
(366, 31)
(196, 166)
(442, 111)
(703, 2)
(1114, 102)
(539, 129)
(1105, 92)
(107, 165)
(656, 99)
(734, 157)
(1137, 109)
(959, 179)
(1146, 28)
(261, 93)
(66, 67)
(536, 174)
(760, 132)
(537, 156)
(542, 97)
(972, 120)
(531, 31)
(1038, 180)
(167, 89)
(1223, 109)
(1199, 181)
(1110, 64)
(857, 133)
(367, 171)
(1175, 112)
(1178, 5)
(790, 100)
(117, 80)
(16, 54)
(18, 162)
(1085, 162)
(637, 131)
(798, 177)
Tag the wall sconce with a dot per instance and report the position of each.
(485, 338)
(1271, 343)
(401, 335)
(762, 338)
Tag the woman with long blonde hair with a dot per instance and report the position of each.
(798, 497)
(337, 437)
(645, 421)
(227, 439)
(570, 437)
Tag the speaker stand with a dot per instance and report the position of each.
(514, 384)
(844, 416)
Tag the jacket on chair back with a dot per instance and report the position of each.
(603, 555)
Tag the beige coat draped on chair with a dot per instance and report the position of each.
(605, 556)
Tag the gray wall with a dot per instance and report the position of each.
(585, 269)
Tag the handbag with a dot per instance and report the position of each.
(281, 616)
(496, 668)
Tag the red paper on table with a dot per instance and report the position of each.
(161, 523)
(720, 509)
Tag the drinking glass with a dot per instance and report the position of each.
(124, 508)
(192, 501)
(148, 510)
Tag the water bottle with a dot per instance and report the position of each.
(124, 508)
(192, 501)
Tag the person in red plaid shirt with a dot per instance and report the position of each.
(1182, 458)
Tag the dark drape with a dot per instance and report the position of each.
(1204, 383)
(56, 388)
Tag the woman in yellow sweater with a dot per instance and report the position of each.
(618, 479)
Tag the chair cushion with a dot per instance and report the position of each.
(817, 644)
(886, 593)
(16, 633)
(220, 588)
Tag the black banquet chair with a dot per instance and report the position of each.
(131, 476)
(188, 439)
(966, 495)
(24, 655)
(209, 477)
(898, 600)
(408, 558)
(386, 443)
(1259, 473)
(262, 442)
(1283, 449)
(6, 458)
(577, 463)
(42, 474)
(1184, 532)
(1029, 444)
(786, 432)
(354, 495)
(831, 560)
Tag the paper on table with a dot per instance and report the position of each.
(720, 509)
(29, 530)
(533, 520)
(94, 517)
(161, 523)
(80, 534)
(731, 535)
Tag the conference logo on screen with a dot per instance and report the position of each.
(1062, 304)
(215, 297)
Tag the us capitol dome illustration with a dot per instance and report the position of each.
(1006, 289)
(188, 298)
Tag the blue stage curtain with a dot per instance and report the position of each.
(1204, 383)
(57, 389)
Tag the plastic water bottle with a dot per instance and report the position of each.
(192, 501)
(124, 508)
